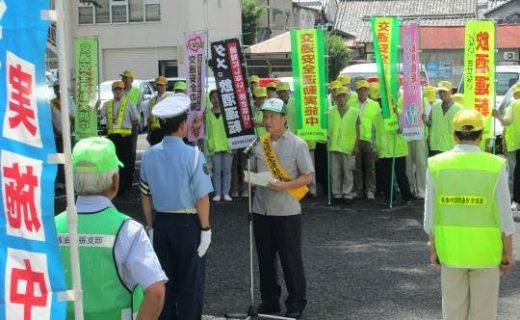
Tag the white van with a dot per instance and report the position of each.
(366, 70)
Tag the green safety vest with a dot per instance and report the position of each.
(386, 137)
(133, 96)
(512, 131)
(466, 221)
(342, 130)
(105, 296)
(154, 121)
(217, 139)
(123, 105)
(441, 130)
(259, 116)
(371, 110)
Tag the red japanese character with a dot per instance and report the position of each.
(19, 196)
(483, 41)
(481, 85)
(29, 279)
(311, 120)
(481, 63)
(19, 102)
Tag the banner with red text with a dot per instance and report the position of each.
(310, 83)
(195, 62)
(31, 272)
(479, 66)
(230, 77)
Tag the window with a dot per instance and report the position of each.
(119, 11)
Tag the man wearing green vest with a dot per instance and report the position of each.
(343, 144)
(180, 87)
(155, 133)
(219, 150)
(117, 260)
(441, 119)
(345, 81)
(469, 222)
(364, 174)
(511, 122)
(121, 116)
(259, 96)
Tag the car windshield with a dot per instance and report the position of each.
(505, 80)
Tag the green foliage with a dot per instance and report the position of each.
(338, 55)
(250, 14)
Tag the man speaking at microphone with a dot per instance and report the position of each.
(277, 220)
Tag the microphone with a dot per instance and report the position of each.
(250, 147)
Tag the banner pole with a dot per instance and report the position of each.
(495, 87)
(72, 217)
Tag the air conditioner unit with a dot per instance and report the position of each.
(510, 55)
(371, 57)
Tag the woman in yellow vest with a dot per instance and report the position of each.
(469, 222)
(219, 150)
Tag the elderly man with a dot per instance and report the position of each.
(121, 116)
(469, 222)
(155, 133)
(277, 219)
(115, 269)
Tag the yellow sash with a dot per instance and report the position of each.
(276, 169)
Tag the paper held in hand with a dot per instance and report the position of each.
(260, 178)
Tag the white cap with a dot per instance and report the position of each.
(274, 105)
(172, 106)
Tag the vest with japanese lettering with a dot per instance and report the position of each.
(118, 127)
(512, 135)
(466, 219)
(366, 116)
(154, 121)
(342, 130)
(441, 129)
(105, 296)
(389, 142)
(217, 139)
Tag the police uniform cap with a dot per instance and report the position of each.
(95, 155)
(468, 120)
(275, 105)
(271, 85)
(444, 86)
(260, 92)
(362, 84)
(282, 86)
(180, 85)
(344, 79)
(172, 106)
(161, 80)
(254, 78)
(128, 73)
(341, 90)
(118, 84)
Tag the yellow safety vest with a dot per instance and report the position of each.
(386, 138)
(217, 139)
(370, 111)
(466, 221)
(343, 130)
(512, 131)
(441, 130)
(154, 121)
(118, 129)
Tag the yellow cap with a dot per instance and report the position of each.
(118, 84)
(341, 90)
(260, 92)
(343, 79)
(373, 91)
(429, 93)
(468, 120)
(516, 88)
(281, 86)
(362, 84)
(271, 85)
(333, 85)
(444, 86)
(458, 98)
(161, 80)
(254, 78)
(128, 73)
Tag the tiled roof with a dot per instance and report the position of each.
(310, 4)
(498, 7)
(354, 15)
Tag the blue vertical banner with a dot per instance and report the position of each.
(31, 273)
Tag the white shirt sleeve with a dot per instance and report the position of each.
(134, 116)
(429, 201)
(136, 260)
(503, 200)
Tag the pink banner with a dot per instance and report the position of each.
(411, 115)
(195, 62)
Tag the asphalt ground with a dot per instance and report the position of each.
(362, 261)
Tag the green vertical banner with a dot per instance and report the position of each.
(86, 66)
(310, 83)
(479, 66)
(385, 33)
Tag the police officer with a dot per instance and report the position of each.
(115, 253)
(175, 184)
(469, 222)
(155, 133)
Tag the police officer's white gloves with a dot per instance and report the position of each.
(205, 241)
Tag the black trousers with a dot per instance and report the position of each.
(516, 179)
(400, 173)
(126, 155)
(280, 236)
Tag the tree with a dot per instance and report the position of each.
(250, 14)
(338, 55)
